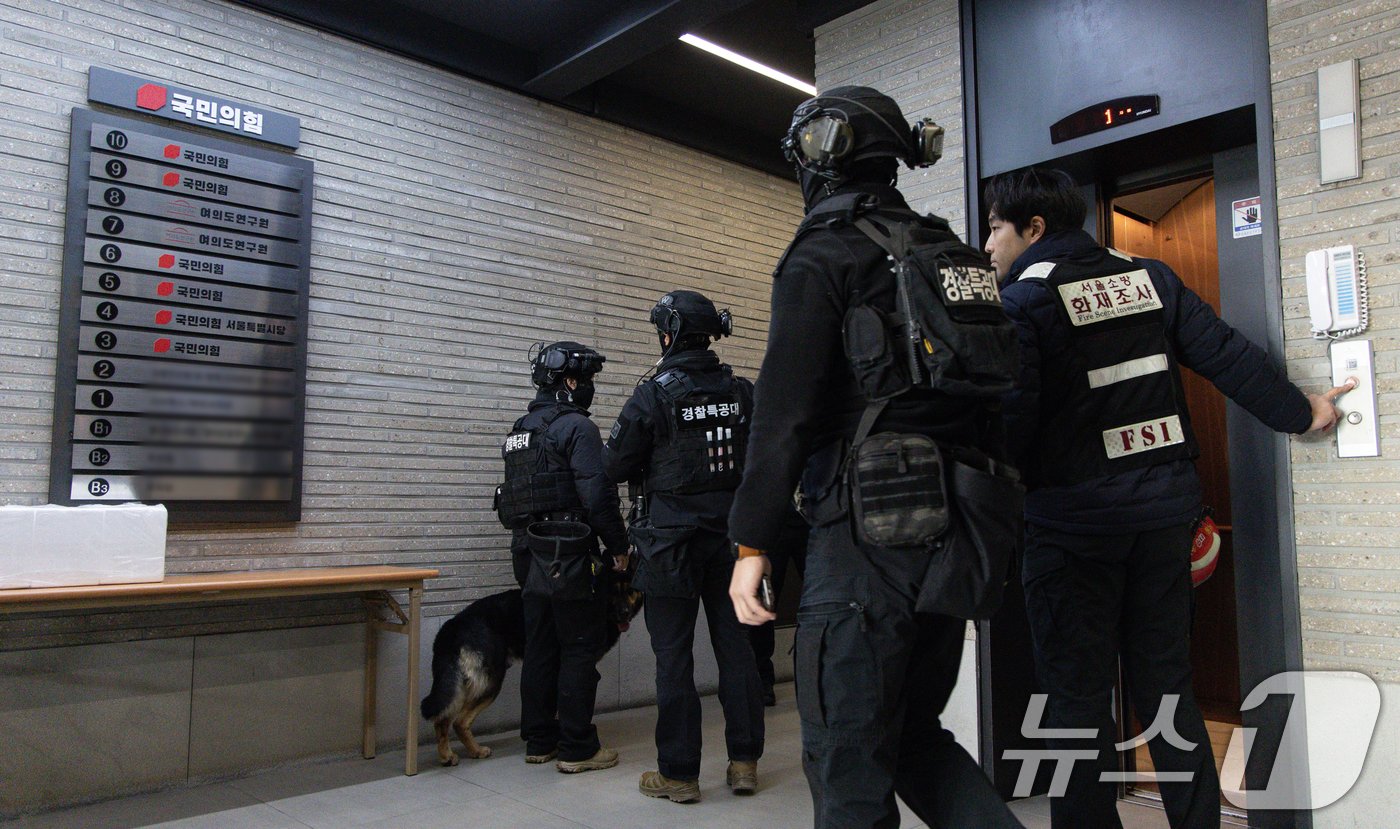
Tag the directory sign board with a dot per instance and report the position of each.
(182, 335)
(190, 106)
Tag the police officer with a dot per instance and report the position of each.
(1099, 426)
(683, 436)
(872, 673)
(559, 502)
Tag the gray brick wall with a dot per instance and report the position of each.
(454, 224)
(1347, 531)
(911, 52)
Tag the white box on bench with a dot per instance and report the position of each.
(53, 546)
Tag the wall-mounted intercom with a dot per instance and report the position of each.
(1337, 308)
(1337, 297)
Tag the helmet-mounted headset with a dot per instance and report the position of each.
(690, 313)
(821, 139)
(550, 363)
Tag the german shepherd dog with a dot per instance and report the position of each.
(472, 652)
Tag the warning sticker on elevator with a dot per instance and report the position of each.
(1245, 217)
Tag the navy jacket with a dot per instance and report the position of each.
(1155, 496)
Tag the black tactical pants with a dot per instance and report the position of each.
(671, 625)
(1090, 599)
(559, 674)
(872, 679)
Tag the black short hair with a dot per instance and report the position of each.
(1018, 196)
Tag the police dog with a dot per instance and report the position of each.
(472, 652)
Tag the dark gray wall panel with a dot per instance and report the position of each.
(1038, 62)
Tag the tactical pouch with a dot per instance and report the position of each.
(562, 553)
(897, 493)
(664, 568)
(523, 496)
(505, 516)
(879, 373)
(972, 561)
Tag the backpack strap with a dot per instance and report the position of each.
(872, 412)
(893, 238)
(832, 212)
(842, 209)
(554, 413)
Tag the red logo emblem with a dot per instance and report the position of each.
(165, 289)
(172, 150)
(170, 179)
(163, 317)
(166, 260)
(150, 96)
(162, 345)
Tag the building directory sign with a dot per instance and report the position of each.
(182, 356)
(189, 106)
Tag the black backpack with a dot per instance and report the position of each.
(948, 332)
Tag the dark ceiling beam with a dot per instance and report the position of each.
(617, 41)
(408, 31)
(814, 13)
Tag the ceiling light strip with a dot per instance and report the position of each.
(751, 65)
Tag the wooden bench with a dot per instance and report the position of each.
(373, 583)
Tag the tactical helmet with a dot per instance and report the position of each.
(551, 363)
(853, 123)
(688, 312)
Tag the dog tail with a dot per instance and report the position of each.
(440, 697)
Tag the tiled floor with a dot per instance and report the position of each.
(501, 792)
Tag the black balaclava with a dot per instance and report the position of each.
(581, 396)
(814, 187)
(873, 171)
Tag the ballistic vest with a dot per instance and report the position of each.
(532, 489)
(1122, 403)
(703, 449)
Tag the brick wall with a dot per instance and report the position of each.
(454, 224)
(911, 52)
(1347, 511)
